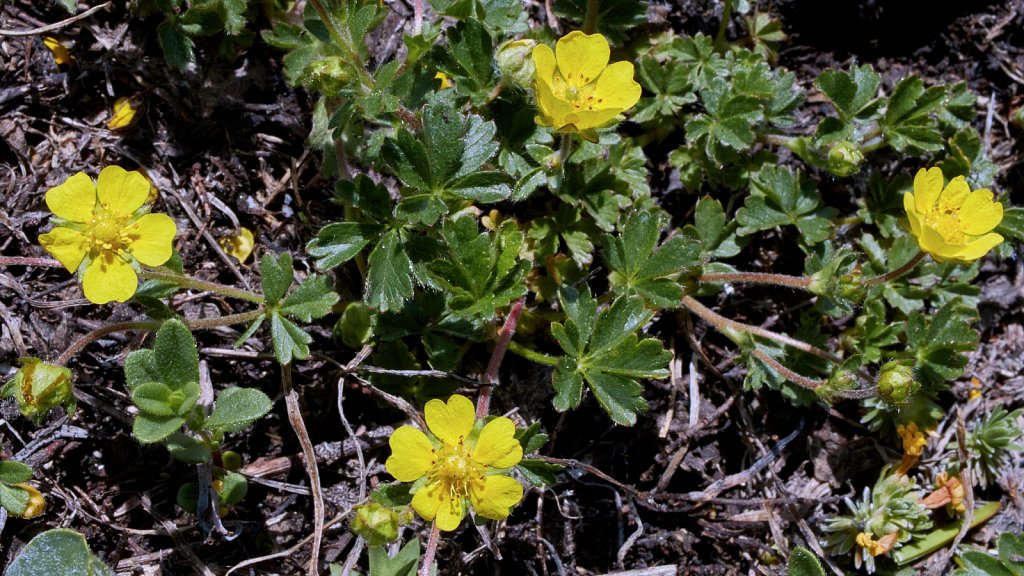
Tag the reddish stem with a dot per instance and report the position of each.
(26, 261)
(483, 403)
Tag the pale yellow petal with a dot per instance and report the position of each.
(497, 445)
(74, 200)
(432, 502)
(581, 57)
(109, 278)
(150, 238)
(979, 213)
(927, 188)
(121, 192)
(450, 422)
(411, 454)
(910, 207)
(954, 195)
(68, 246)
(494, 496)
(977, 248)
(543, 63)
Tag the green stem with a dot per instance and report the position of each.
(241, 318)
(344, 43)
(720, 43)
(590, 18)
(801, 282)
(188, 282)
(788, 374)
(894, 274)
(26, 261)
(531, 355)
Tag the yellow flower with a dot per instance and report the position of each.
(445, 82)
(36, 503)
(105, 229)
(577, 90)
(975, 391)
(914, 440)
(61, 55)
(952, 223)
(123, 113)
(459, 461)
(240, 245)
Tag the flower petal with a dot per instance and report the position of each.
(581, 57)
(121, 192)
(497, 445)
(66, 245)
(107, 277)
(493, 496)
(553, 110)
(433, 502)
(411, 454)
(927, 188)
(932, 242)
(543, 63)
(953, 196)
(151, 237)
(909, 206)
(979, 213)
(450, 422)
(616, 87)
(74, 200)
(978, 248)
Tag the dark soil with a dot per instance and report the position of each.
(225, 142)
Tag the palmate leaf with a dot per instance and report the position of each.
(639, 266)
(783, 198)
(907, 123)
(467, 59)
(602, 349)
(854, 93)
(939, 342)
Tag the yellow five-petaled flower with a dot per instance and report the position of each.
(952, 223)
(577, 91)
(104, 228)
(459, 462)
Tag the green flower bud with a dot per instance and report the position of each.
(230, 460)
(896, 383)
(39, 386)
(844, 159)
(377, 523)
(328, 75)
(835, 388)
(514, 61)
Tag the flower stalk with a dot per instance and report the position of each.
(166, 275)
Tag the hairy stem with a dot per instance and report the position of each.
(531, 355)
(430, 551)
(788, 374)
(483, 402)
(188, 282)
(801, 282)
(28, 261)
(894, 274)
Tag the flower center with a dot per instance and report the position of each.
(108, 231)
(455, 469)
(580, 94)
(947, 224)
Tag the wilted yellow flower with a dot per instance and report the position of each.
(445, 82)
(105, 229)
(577, 90)
(238, 245)
(36, 503)
(123, 113)
(975, 391)
(459, 462)
(914, 440)
(61, 55)
(952, 224)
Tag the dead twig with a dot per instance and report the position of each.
(291, 398)
(56, 25)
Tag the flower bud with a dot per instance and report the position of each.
(230, 460)
(840, 382)
(328, 75)
(375, 522)
(514, 61)
(39, 386)
(844, 159)
(896, 383)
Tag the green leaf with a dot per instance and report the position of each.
(853, 93)
(339, 242)
(153, 398)
(939, 341)
(149, 429)
(907, 123)
(312, 299)
(237, 408)
(639, 266)
(405, 563)
(539, 472)
(602, 349)
(803, 562)
(177, 46)
(727, 127)
(467, 59)
(140, 367)
(232, 12)
(13, 499)
(174, 355)
(609, 17)
(531, 438)
(57, 552)
(233, 488)
(782, 198)
(187, 449)
(1012, 225)
(12, 472)
(716, 233)
(389, 281)
(276, 275)
(289, 340)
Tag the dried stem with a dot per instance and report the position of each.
(56, 25)
(483, 402)
(291, 398)
(801, 282)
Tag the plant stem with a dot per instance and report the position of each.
(720, 44)
(531, 355)
(725, 325)
(590, 18)
(483, 402)
(196, 284)
(801, 282)
(345, 44)
(208, 323)
(291, 398)
(894, 274)
(808, 383)
(430, 551)
(28, 261)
